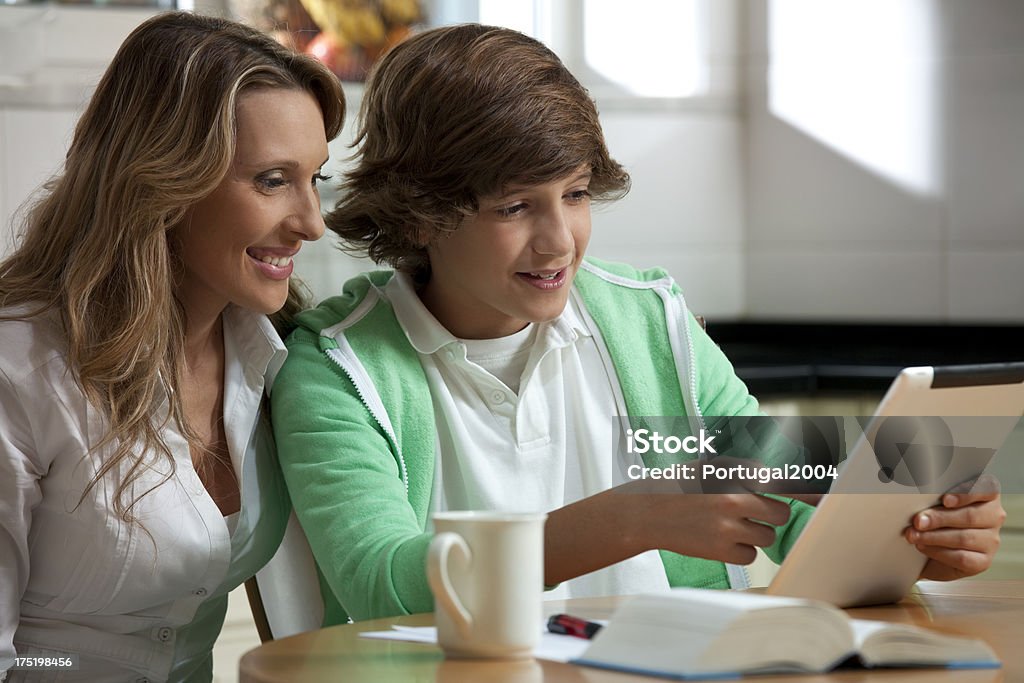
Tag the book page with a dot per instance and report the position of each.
(865, 628)
(882, 643)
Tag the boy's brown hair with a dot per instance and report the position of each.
(454, 114)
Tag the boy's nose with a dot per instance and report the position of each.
(554, 235)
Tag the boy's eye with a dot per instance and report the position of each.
(509, 211)
(579, 195)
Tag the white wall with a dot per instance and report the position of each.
(685, 210)
(50, 60)
(928, 225)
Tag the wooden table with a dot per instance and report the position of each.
(990, 610)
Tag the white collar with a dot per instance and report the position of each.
(427, 335)
(251, 338)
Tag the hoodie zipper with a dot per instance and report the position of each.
(372, 403)
(739, 577)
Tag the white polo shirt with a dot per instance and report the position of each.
(536, 446)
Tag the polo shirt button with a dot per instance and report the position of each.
(141, 680)
(497, 397)
(165, 634)
(199, 592)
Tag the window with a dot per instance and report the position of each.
(644, 49)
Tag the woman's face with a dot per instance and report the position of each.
(237, 244)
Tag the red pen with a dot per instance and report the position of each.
(573, 626)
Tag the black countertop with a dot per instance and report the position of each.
(780, 357)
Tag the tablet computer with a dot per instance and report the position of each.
(936, 427)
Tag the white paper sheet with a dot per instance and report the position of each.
(552, 646)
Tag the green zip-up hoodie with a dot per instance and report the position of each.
(355, 427)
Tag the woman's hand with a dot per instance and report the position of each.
(960, 537)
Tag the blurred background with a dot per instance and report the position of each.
(806, 160)
(837, 185)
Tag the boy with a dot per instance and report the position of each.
(485, 372)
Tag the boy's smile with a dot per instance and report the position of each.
(546, 279)
(513, 262)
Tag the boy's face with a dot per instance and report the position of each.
(513, 262)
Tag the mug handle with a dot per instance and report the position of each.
(437, 576)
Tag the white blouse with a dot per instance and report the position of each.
(132, 604)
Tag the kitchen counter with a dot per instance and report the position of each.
(784, 358)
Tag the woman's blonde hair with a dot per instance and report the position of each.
(454, 114)
(157, 136)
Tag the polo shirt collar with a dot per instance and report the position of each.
(423, 330)
(428, 336)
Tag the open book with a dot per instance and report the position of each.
(692, 633)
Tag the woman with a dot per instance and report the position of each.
(138, 485)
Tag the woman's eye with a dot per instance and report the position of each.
(321, 178)
(510, 211)
(271, 182)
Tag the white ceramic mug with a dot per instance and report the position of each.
(486, 570)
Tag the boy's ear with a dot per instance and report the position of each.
(421, 236)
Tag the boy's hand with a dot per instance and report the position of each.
(960, 537)
(710, 517)
(647, 514)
